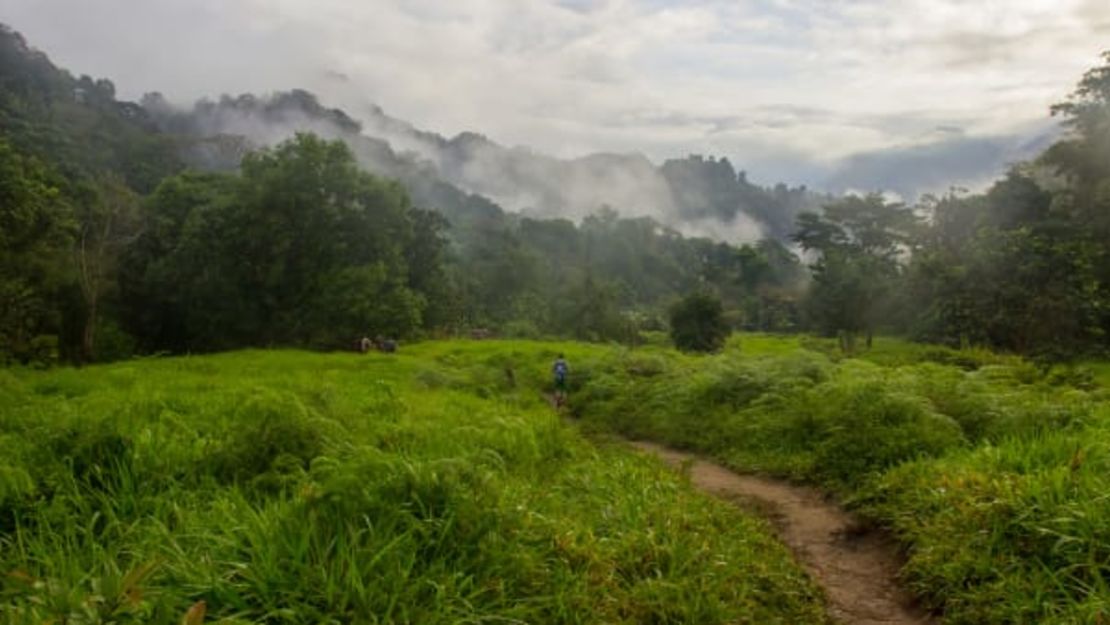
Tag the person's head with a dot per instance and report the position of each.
(560, 356)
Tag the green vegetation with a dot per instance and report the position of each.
(858, 242)
(148, 234)
(436, 485)
(138, 229)
(433, 486)
(698, 324)
(991, 470)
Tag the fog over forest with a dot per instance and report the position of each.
(858, 96)
(929, 169)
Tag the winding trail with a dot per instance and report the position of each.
(857, 568)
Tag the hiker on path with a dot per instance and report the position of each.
(560, 370)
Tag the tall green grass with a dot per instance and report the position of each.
(993, 472)
(433, 486)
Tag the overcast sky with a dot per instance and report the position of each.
(788, 89)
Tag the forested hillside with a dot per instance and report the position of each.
(257, 221)
(692, 194)
(146, 229)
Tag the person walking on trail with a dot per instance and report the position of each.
(560, 370)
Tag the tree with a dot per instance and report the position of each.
(301, 248)
(698, 324)
(171, 279)
(496, 272)
(860, 243)
(1009, 269)
(107, 223)
(36, 227)
(589, 312)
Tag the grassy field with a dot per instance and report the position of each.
(437, 486)
(994, 473)
(434, 486)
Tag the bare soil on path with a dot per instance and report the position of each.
(856, 567)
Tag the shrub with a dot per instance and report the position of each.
(698, 323)
(868, 427)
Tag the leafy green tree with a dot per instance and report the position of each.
(36, 227)
(589, 312)
(108, 222)
(1010, 270)
(1026, 266)
(1083, 158)
(301, 248)
(860, 243)
(497, 273)
(354, 301)
(170, 277)
(943, 297)
(698, 324)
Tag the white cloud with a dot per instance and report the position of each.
(799, 84)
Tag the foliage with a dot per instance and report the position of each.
(860, 242)
(293, 246)
(1026, 267)
(35, 230)
(697, 323)
(419, 487)
(300, 249)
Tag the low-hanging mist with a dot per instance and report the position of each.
(698, 196)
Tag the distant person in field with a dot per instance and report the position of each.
(364, 344)
(388, 346)
(560, 370)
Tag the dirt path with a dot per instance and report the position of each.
(856, 568)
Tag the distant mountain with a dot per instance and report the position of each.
(115, 165)
(78, 123)
(681, 191)
(706, 197)
(75, 123)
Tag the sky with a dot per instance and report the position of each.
(831, 93)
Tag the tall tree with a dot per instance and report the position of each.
(860, 243)
(36, 227)
(302, 248)
(108, 221)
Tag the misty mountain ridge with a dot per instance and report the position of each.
(697, 196)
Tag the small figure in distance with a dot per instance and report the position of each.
(364, 344)
(387, 346)
(560, 369)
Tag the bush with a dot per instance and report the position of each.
(869, 427)
(698, 323)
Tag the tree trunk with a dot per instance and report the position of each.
(847, 341)
(88, 335)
